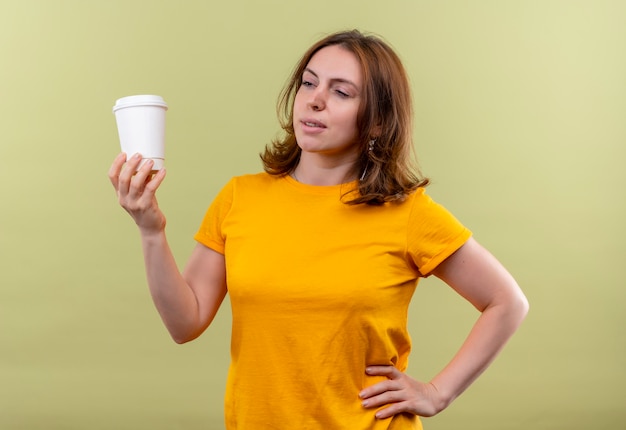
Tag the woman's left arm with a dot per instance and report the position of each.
(477, 276)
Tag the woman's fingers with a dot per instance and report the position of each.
(389, 371)
(136, 188)
(383, 392)
(116, 168)
(153, 184)
(139, 177)
(398, 394)
(126, 175)
(134, 185)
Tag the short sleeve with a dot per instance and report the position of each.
(210, 232)
(433, 233)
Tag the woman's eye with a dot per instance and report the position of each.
(342, 93)
(307, 84)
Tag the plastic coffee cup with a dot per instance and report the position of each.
(141, 127)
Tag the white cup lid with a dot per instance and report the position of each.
(139, 100)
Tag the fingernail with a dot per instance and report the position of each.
(137, 155)
(364, 403)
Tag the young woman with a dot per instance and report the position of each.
(321, 254)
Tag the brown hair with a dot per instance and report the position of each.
(387, 171)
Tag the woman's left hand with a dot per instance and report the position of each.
(400, 393)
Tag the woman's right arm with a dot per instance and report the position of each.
(186, 302)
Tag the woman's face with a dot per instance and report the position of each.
(327, 104)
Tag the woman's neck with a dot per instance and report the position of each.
(323, 174)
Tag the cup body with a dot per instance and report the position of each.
(141, 127)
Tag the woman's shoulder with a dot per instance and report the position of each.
(253, 179)
(418, 196)
(422, 203)
(254, 183)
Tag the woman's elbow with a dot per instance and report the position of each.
(181, 337)
(518, 306)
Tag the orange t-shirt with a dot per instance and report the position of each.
(319, 290)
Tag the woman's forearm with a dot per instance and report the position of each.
(492, 330)
(172, 296)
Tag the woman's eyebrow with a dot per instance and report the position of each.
(341, 80)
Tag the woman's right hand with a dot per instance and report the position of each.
(136, 191)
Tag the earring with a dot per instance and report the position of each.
(363, 174)
(370, 149)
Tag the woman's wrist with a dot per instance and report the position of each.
(442, 398)
(152, 235)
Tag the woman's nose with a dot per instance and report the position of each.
(317, 101)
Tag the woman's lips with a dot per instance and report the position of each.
(312, 125)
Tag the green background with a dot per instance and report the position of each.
(520, 122)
